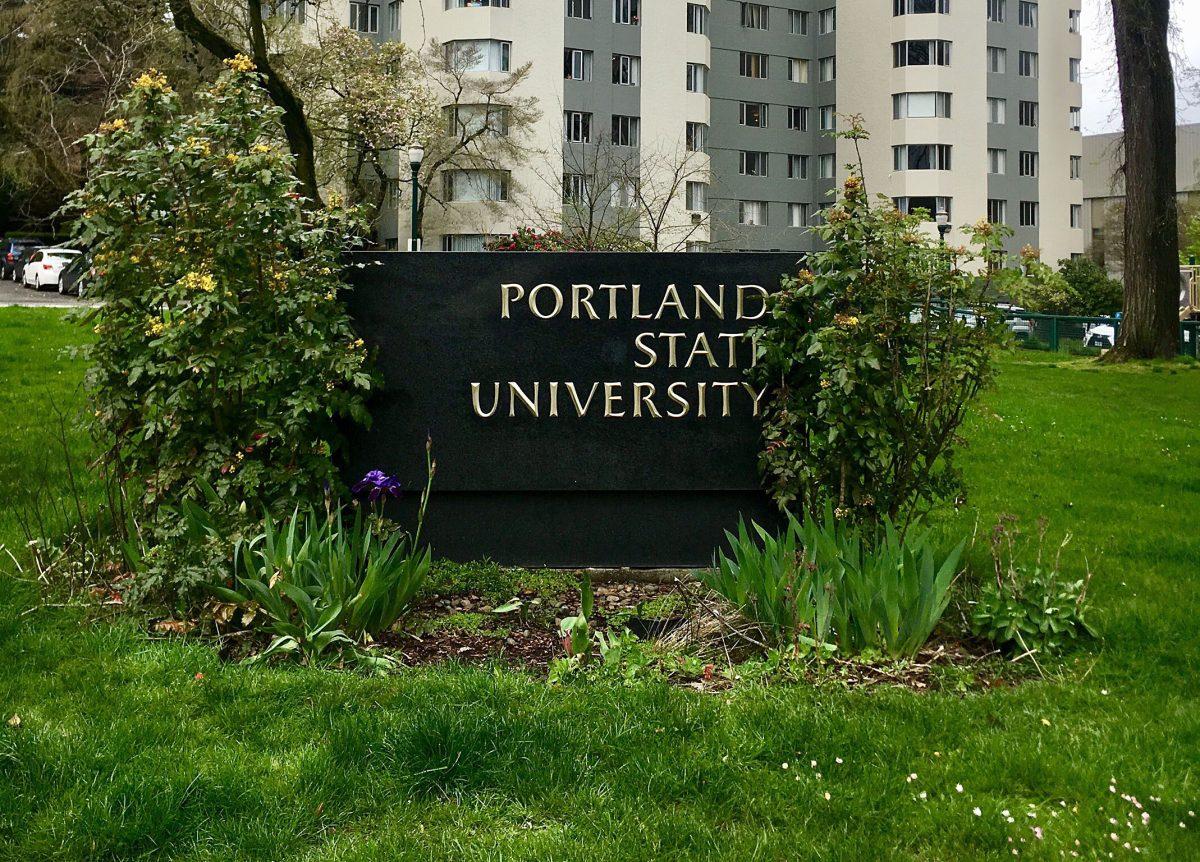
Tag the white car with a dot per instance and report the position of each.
(45, 266)
(1102, 335)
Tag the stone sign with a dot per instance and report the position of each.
(586, 409)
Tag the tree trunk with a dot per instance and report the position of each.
(294, 120)
(1150, 328)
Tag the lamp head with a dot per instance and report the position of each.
(416, 154)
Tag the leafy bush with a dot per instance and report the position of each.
(223, 353)
(864, 589)
(868, 373)
(1029, 610)
(531, 239)
(1091, 292)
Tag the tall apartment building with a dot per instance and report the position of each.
(973, 107)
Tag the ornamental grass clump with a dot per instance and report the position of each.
(823, 584)
(871, 356)
(223, 352)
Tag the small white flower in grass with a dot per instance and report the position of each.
(1104, 691)
(1038, 834)
(827, 797)
(1010, 820)
(1191, 814)
(1182, 825)
(923, 795)
(1113, 821)
(1113, 836)
(1112, 789)
(912, 776)
(958, 787)
(1004, 813)
(813, 764)
(837, 760)
(783, 766)
(977, 811)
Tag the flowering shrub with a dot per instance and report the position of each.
(531, 239)
(223, 355)
(869, 373)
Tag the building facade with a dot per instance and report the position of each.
(1104, 190)
(972, 106)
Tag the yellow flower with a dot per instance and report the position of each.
(134, 259)
(847, 321)
(240, 63)
(200, 281)
(151, 79)
(331, 296)
(200, 145)
(358, 342)
(261, 148)
(154, 326)
(232, 158)
(825, 384)
(116, 125)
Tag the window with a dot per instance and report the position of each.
(696, 196)
(577, 64)
(465, 241)
(752, 114)
(478, 55)
(1027, 64)
(997, 161)
(625, 130)
(1027, 113)
(826, 21)
(920, 7)
(752, 164)
(997, 60)
(997, 10)
(931, 205)
(1076, 167)
(752, 65)
(997, 211)
(997, 111)
(1076, 215)
(921, 157)
(697, 78)
(393, 15)
(826, 69)
(917, 105)
(1029, 214)
(695, 245)
(1074, 21)
(475, 185)
(1027, 13)
(574, 188)
(1074, 118)
(471, 4)
(626, 70)
(797, 118)
(1029, 164)
(1073, 71)
(797, 215)
(797, 70)
(828, 115)
(626, 11)
(579, 9)
(364, 17)
(623, 193)
(754, 16)
(466, 120)
(291, 10)
(921, 52)
(695, 137)
(752, 212)
(577, 127)
(797, 167)
(797, 22)
(826, 166)
(697, 18)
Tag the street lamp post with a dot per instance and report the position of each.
(943, 224)
(416, 154)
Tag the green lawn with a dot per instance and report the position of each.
(123, 751)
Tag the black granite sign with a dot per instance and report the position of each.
(586, 409)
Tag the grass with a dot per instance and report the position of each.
(131, 746)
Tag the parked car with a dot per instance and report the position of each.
(75, 275)
(45, 266)
(1102, 335)
(13, 251)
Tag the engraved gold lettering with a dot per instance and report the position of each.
(717, 305)
(757, 396)
(702, 399)
(636, 293)
(643, 393)
(558, 301)
(515, 392)
(684, 406)
(554, 397)
(651, 354)
(475, 400)
(701, 348)
(611, 400)
(581, 409)
(581, 296)
(760, 292)
(732, 338)
(724, 387)
(612, 298)
(671, 300)
(509, 293)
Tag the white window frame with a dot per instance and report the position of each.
(577, 127)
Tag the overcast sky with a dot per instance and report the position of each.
(1101, 102)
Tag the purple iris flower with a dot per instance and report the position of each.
(377, 484)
